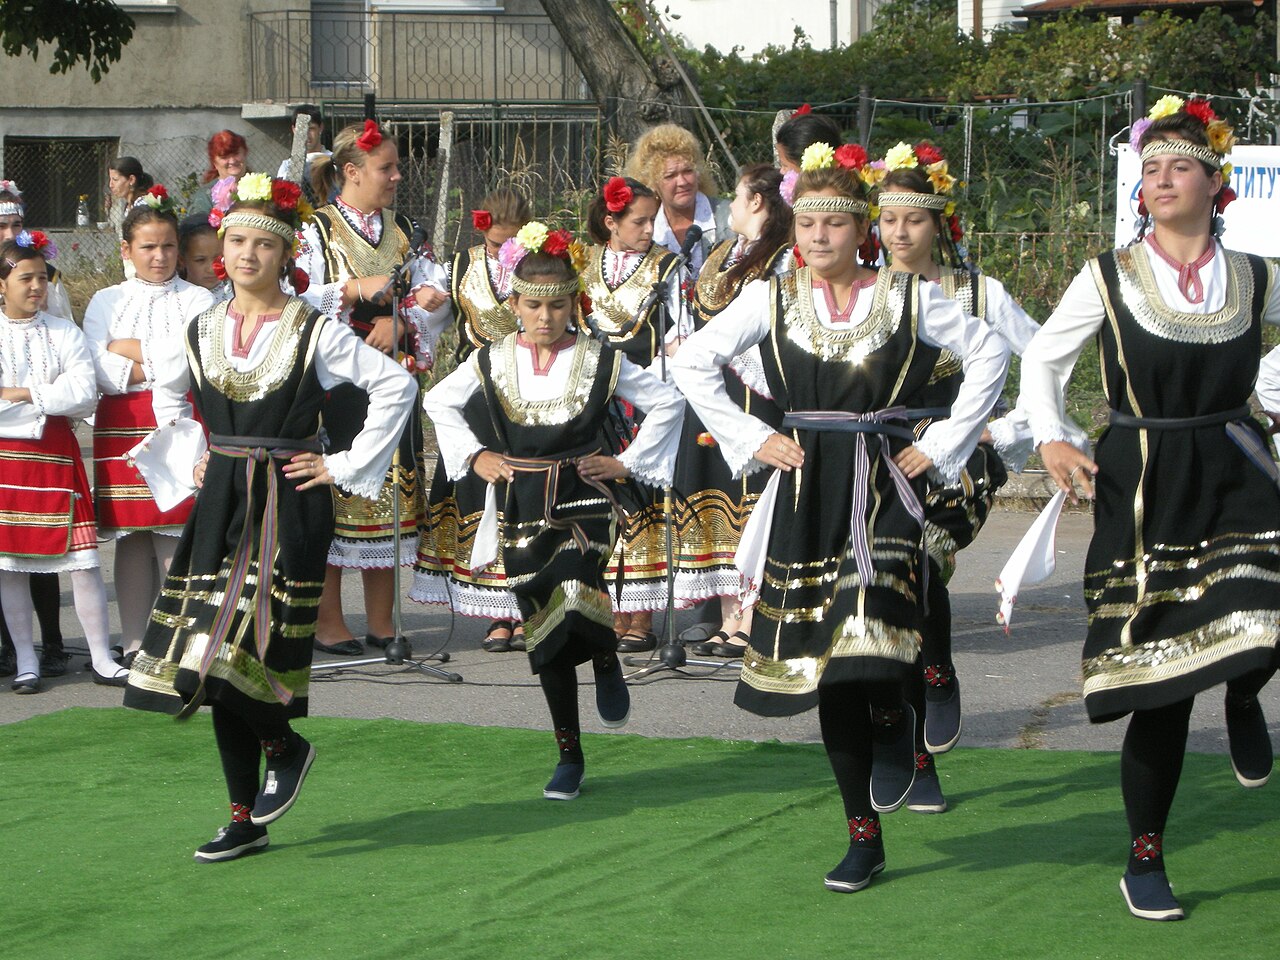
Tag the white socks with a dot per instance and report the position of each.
(90, 595)
(142, 562)
(15, 596)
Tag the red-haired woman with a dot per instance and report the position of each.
(228, 157)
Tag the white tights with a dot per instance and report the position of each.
(90, 595)
(142, 563)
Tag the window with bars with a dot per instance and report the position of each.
(55, 172)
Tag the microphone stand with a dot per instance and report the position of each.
(399, 652)
(670, 655)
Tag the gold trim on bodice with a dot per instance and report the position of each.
(486, 319)
(558, 410)
(1141, 297)
(851, 345)
(347, 250)
(958, 285)
(713, 291)
(254, 384)
(614, 311)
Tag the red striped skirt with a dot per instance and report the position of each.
(46, 508)
(121, 497)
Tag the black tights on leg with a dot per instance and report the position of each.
(241, 752)
(844, 716)
(935, 636)
(559, 680)
(45, 597)
(1150, 766)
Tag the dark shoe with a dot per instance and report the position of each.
(117, 652)
(344, 648)
(613, 699)
(1250, 743)
(564, 783)
(283, 784)
(925, 795)
(893, 760)
(860, 864)
(25, 683)
(127, 660)
(120, 680)
(707, 647)
(1150, 897)
(700, 633)
(493, 641)
(517, 641)
(942, 716)
(232, 841)
(732, 651)
(8, 662)
(637, 641)
(53, 660)
(379, 643)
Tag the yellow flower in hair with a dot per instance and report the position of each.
(532, 236)
(950, 209)
(1221, 137)
(577, 255)
(817, 156)
(901, 157)
(306, 212)
(1227, 170)
(942, 181)
(871, 174)
(254, 186)
(1166, 106)
(874, 212)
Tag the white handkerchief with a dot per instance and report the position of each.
(754, 545)
(485, 548)
(166, 457)
(1033, 559)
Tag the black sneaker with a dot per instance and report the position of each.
(1250, 743)
(925, 795)
(1150, 897)
(564, 783)
(8, 662)
(282, 784)
(942, 716)
(893, 761)
(233, 840)
(613, 699)
(53, 659)
(860, 864)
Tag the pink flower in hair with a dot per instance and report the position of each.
(1135, 133)
(788, 186)
(511, 253)
(222, 193)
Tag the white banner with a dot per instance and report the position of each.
(1251, 221)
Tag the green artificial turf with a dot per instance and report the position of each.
(412, 840)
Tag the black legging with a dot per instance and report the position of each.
(844, 715)
(559, 680)
(935, 637)
(240, 749)
(1151, 764)
(47, 600)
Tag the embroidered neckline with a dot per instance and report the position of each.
(850, 344)
(829, 297)
(557, 410)
(564, 343)
(242, 349)
(364, 222)
(1140, 295)
(618, 261)
(1190, 285)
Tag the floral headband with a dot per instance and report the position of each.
(284, 195)
(38, 241)
(536, 237)
(482, 220)
(158, 199)
(13, 207)
(1219, 133)
(371, 137)
(822, 156)
(617, 194)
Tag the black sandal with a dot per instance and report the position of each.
(733, 651)
(495, 644)
(707, 648)
(638, 641)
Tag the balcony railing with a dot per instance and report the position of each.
(460, 58)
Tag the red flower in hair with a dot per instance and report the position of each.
(1225, 196)
(371, 137)
(219, 267)
(1142, 205)
(557, 243)
(957, 232)
(285, 194)
(215, 218)
(301, 280)
(869, 252)
(851, 156)
(795, 255)
(159, 192)
(927, 153)
(617, 195)
(585, 302)
(39, 239)
(803, 109)
(1199, 108)
(482, 220)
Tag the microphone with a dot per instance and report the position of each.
(418, 240)
(691, 238)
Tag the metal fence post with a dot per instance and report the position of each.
(443, 158)
(1138, 110)
(865, 104)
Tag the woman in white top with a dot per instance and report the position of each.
(128, 326)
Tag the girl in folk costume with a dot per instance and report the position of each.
(545, 393)
(618, 279)
(1182, 572)
(127, 327)
(350, 253)
(257, 367)
(480, 283)
(200, 257)
(714, 504)
(46, 513)
(834, 548)
(920, 232)
(13, 220)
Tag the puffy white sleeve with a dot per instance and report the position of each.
(72, 393)
(426, 272)
(1049, 359)
(696, 369)
(325, 297)
(1006, 317)
(111, 370)
(171, 381)
(1268, 385)
(342, 357)
(651, 456)
(985, 359)
(444, 404)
